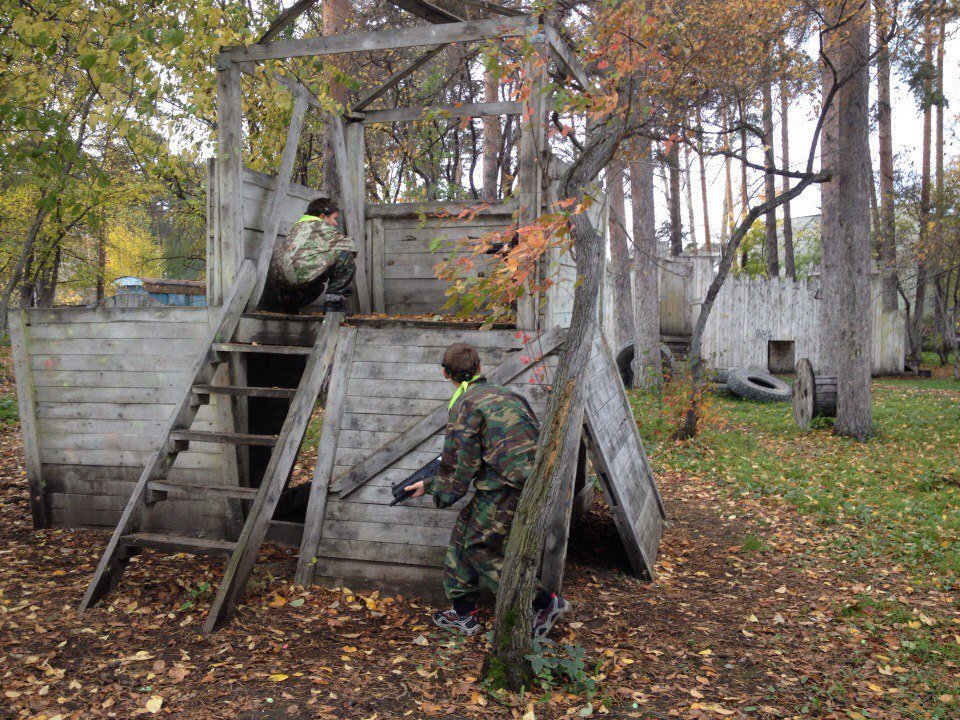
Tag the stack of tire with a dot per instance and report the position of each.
(755, 385)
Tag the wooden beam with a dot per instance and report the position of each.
(567, 58)
(280, 187)
(326, 452)
(27, 405)
(392, 39)
(397, 77)
(529, 160)
(424, 429)
(427, 11)
(348, 154)
(229, 177)
(285, 19)
(425, 114)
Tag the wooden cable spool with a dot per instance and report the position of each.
(813, 395)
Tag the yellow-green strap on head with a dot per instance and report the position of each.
(461, 390)
(306, 218)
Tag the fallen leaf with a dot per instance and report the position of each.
(154, 704)
(278, 677)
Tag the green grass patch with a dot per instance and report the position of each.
(9, 415)
(895, 498)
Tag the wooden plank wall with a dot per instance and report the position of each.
(402, 263)
(394, 380)
(106, 381)
(750, 312)
(618, 451)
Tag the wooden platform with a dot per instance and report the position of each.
(97, 385)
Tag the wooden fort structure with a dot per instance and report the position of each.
(178, 427)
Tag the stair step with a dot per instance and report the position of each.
(245, 391)
(226, 438)
(176, 543)
(257, 348)
(202, 490)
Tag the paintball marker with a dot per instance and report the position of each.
(400, 491)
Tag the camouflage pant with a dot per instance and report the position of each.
(475, 555)
(338, 279)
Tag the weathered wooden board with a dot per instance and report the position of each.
(621, 460)
(362, 539)
(105, 382)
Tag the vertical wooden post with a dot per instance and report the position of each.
(348, 147)
(229, 174)
(327, 449)
(530, 170)
(281, 186)
(213, 234)
(27, 405)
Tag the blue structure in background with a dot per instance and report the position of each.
(168, 292)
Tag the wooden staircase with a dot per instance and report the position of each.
(130, 536)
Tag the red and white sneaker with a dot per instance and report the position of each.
(545, 619)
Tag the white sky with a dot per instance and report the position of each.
(907, 133)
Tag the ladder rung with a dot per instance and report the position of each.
(245, 391)
(175, 544)
(223, 437)
(201, 490)
(272, 349)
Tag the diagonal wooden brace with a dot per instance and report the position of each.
(426, 428)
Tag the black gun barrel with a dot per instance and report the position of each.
(400, 491)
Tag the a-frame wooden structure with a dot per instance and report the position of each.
(235, 403)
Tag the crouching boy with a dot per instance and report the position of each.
(491, 441)
(314, 256)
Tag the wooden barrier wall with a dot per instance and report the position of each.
(393, 379)
(96, 386)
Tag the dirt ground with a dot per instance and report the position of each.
(729, 629)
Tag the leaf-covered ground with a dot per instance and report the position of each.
(799, 576)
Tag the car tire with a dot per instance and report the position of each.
(758, 386)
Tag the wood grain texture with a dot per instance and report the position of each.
(27, 404)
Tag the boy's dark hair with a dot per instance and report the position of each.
(322, 206)
(461, 361)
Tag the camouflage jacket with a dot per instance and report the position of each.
(308, 251)
(491, 441)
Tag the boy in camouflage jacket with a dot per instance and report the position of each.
(313, 255)
(491, 442)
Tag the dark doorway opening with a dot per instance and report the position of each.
(781, 356)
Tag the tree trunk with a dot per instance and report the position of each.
(559, 437)
(689, 424)
(769, 183)
(47, 276)
(101, 263)
(619, 259)
(886, 233)
(727, 225)
(691, 219)
(647, 367)
(789, 262)
(846, 240)
(676, 224)
(744, 191)
(17, 274)
(703, 185)
(920, 292)
(335, 15)
(492, 138)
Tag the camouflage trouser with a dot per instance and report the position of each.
(338, 279)
(479, 539)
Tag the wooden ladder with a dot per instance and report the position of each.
(153, 486)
